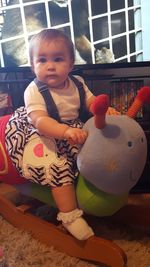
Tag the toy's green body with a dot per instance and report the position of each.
(92, 200)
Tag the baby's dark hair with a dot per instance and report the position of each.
(49, 35)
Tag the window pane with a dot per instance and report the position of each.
(103, 44)
(12, 56)
(119, 47)
(130, 3)
(9, 31)
(117, 4)
(5, 3)
(58, 15)
(35, 16)
(132, 42)
(118, 23)
(98, 7)
(100, 28)
(131, 20)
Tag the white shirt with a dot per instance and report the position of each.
(66, 99)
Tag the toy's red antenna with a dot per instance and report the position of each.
(143, 97)
(99, 108)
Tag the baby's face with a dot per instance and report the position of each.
(52, 63)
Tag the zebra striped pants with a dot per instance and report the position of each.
(42, 160)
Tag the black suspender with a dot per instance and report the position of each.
(79, 85)
(84, 114)
(51, 106)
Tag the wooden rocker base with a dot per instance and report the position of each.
(94, 249)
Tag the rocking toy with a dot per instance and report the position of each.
(110, 162)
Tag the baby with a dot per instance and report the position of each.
(53, 109)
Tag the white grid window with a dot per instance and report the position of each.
(118, 27)
(91, 24)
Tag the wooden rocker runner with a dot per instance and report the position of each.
(94, 249)
(107, 173)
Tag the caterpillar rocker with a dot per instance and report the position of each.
(110, 163)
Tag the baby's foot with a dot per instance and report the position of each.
(79, 229)
(75, 224)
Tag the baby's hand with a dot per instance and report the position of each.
(75, 135)
(112, 111)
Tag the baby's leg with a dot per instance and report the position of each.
(70, 215)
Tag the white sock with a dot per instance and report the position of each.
(75, 224)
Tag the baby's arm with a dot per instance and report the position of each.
(51, 128)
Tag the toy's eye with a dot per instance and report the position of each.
(130, 143)
(142, 140)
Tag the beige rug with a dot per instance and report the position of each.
(21, 250)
